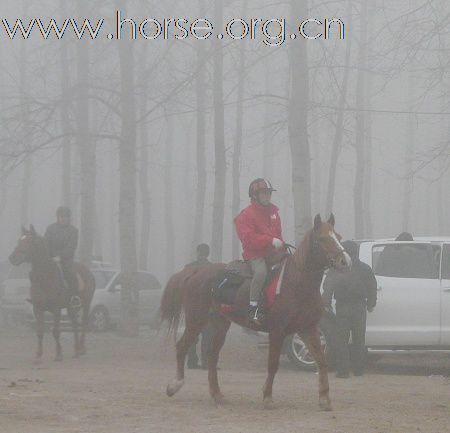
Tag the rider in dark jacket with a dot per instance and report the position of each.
(355, 292)
(62, 240)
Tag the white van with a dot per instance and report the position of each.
(413, 306)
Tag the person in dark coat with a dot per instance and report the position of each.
(355, 293)
(62, 239)
(192, 357)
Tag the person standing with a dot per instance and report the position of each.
(192, 357)
(355, 293)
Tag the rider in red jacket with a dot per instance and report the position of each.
(259, 228)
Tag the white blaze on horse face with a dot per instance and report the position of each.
(23, 237)
(347, 259)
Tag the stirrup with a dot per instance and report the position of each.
(254, 315)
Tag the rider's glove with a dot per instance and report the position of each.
(277, 243)
(57, 259)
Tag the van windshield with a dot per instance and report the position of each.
(406, 260)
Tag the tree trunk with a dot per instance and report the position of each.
(235, 247)
(219, 143)
(200, 94)
(339, 131)
(360, 144)
(66, 185)
(298, 127)
(168, 200)
(26, 137)
(129, 323)
(143, 176)
(369, 155)
(408, 182)
(86, 148)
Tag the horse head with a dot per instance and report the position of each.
(321, 247)
(26, 245)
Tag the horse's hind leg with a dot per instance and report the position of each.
(76, 341)
(314, 345)
(57, 333)
(276, 339)
(39, 315)
(84, 326)
(219, 329)
(191, 332)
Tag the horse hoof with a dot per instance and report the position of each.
(325, 405)
(219, 399)
(268, 403)
(174, 387)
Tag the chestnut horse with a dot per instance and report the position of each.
(297, 308)
(47, 293)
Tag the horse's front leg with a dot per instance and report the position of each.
(276, 338)
(314, 345)
(219, 328)
(84, 326)
(57, 333)
(39, 315)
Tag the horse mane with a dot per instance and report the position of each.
(301, 254)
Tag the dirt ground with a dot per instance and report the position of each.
(119, 386)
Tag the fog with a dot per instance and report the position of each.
(70, 109)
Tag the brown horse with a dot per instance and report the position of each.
(297, 308)
(47, 293)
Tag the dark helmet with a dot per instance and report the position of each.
(351, 248)
(203, 250)
(257, 185)
(63, 211)
(404, 236)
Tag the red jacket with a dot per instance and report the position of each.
(256, 227)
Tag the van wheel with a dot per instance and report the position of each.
(299, 355)
(99, 319)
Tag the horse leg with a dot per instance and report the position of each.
(219, 326)
(276, 339)
(74, 320)
(191, 332)
(57, 333)
(84, 325)
(39, 315)
(314, 345)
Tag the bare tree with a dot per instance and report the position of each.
(200, 95)
(236, 174)
(219, 143)
(360, 119)
(298, 127)
(86, 148)
(129, 322)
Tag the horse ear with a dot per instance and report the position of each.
(331, 220)
(317, 222)
(32, 230)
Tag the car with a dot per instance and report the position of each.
(105, 306)
(15, 289)
(413, 306)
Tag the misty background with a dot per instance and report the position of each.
(153, 144)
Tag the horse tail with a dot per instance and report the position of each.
(171, 307)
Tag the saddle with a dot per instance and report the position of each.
(236, 277)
